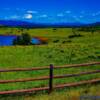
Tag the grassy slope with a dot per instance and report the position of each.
(80, 50)
(45, 32)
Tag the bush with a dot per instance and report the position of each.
(54, 30)
(56, 41)
(73, 36)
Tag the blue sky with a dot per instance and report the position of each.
(51, 11)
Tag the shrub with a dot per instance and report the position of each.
(73, 36)
(64, 42)
(56, 41)
(54, 30)
(44, 42)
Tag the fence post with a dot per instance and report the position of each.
(51, 78)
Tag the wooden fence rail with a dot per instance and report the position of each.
(50, 77)
(47, 67)
(47, 77)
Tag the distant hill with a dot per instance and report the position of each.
(25, 24)
(94, 24)
(12, 23)
(77, 24)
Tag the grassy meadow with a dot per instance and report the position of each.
(61, 49)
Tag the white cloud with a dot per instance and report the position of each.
(96, 14)
(81, 16)
(14, 17)
(60, 15)
(76, 18)
(6, 18)
(44, 16)
(32, 12)
(68, 12)
(28, 16)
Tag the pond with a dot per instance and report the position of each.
(7, 40)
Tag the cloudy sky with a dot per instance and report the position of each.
(51, 11)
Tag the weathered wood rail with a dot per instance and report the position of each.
(50, 77)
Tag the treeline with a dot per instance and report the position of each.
(24, 39)
(89, 28)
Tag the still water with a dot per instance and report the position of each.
(8, 40)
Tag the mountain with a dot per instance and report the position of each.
(13, 23)
(77, 24)
(25, 24)
(94, 24)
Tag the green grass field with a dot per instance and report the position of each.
(64, 51)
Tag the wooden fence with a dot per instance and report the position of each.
(51, 77)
